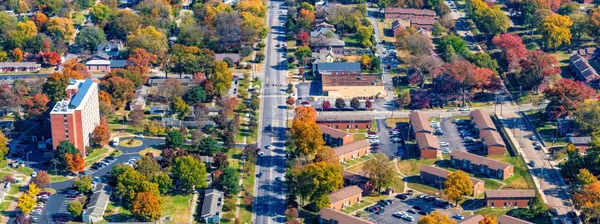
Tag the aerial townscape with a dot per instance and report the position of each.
(300, 111)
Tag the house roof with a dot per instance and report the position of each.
(19, 64)
(426, 141)
(482, 120)
(353, 118)
(396, 24)
(479, 160)
(338, 66)
(222, 56)
(110, 45)
(505, 219)
(491, 137)
(354, 178)
(211, 204)
(335, 133)
(580, 140)
(586, 51)
(97, 62)
(409, 11)
(351, 147)
(118, 63)
(327, 42)
(583, 66)
(158, 81)
(351, 80)
(98, 200)
(423, 21)
(444, 173)
(419, 122)
(530, 193)
(321, 31)
(474, 219)
(340, 217)
(344, 193)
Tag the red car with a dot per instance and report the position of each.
(375, 147)
(372, 133)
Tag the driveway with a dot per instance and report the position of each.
(386, 146)
(451, 135)
(403, 206)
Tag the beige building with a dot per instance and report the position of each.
(350, 86)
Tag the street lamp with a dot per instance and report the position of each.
(27, 155)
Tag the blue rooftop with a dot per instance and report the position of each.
(81, 92)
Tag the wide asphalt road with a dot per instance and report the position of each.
(269, 205)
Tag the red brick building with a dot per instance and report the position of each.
(428, 145)
(482, 120)
(493, 143)
(352, 151)
(329, 216)
(345, 197)
(419, 122)
(334, 137)
(509, 198)
(407, 14)
(505, 219)
(346, 122)
(361, 181)
(436, 176)
(481, 165)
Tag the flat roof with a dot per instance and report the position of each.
(351, 80)
(480, 160)
(19, 64)
(354, 118)
(351, 147)
(529, 193)
(338, 66)
(344, 193)
(423, 12)
(97, 62)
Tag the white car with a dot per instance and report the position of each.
(139, 136)
(34, 174)
(373, 137)
(464, 109)
(444, 144)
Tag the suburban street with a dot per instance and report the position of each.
(269, 204)
(506, 109)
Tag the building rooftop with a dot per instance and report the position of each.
(420, 122)
(409, 11)
(474, 219)
(344, 193)
(98, 200)
(335, 133)
(353, 118)
(423, 21)
(351, 147)
(340, 217)
(97, 62)
(491, 138)
(327, 42)
(580, 140)
(479, 160)
(82, 88)
(426, 141)
(505, 219)
(118, 63)
(354, 178)
(444, 173)
(211, 205)
(482, 120)
(351, 80)
(337, 66)
(530, 193)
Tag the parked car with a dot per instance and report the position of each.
(459, 217)
(411, 211)
(402, 196)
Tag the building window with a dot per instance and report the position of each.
(515, 203)
(492, 204)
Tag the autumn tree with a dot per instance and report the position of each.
(41, 179)
(100, 136)
(141, 60)
(303, 54)
(318, 180)
(567, 95)
(536, 66)
(26, 203)
(290, 101)
(326, 105)
(458, 184)
(39, 18)
(189, 172)
(101, 13)
(121, 90)
(72, 68)
(588, 195)
(75, 163)
(147, 166)
(340, 103)
(463, 76)
(61, 28)
(423, 67)
(556, 30)
(305, 133)
(35, 105)
(146, 206)
(380, 171)
(17, 54)
(221, 78)
(75, 208)
(302, 38)
(587, 115)
(55, 86)
(3, 146)
(354, 103)
(180, 107)
(488, 220)
(583, 178)
(491, 20)
(436, 217)
(171, 88)
(136, 116)
(325, 154)
(148, 38)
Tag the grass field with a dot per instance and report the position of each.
(494, 212)
(412, 166)
(521, 178)
(155, 152)
(25, 170)
(54, 179)
(96, 155)
(423, 188)
(391, 122)
(178, 207)
(131, 143)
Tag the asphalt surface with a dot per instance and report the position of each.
(269, 203)
(386, 146)
(451, 135)
(403, 206)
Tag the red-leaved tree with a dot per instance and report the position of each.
(567, 94)
(512, 46)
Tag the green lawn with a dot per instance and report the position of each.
(494, 212)
(178, 207)
(423, 188)
(4, 174)
(491, 184)
(356, 207)
(54, 179)
(358, 137)
(412, 166)
(521, 178)
(352, 41)
(353, 162)
(14, 189)
(4, 206)
(3, 163)
(24, 170)
(96, 155)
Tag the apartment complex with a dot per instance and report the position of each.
(492, 141)
(329, 216)
(427, 143)
(350, 86)
(344, 197)
(74, 118)
(436, 177)
(481, 165)
(346, 122)
(352, 151)
(334, 137)
(407, 13)
(509, 198)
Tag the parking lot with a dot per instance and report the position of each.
(412, 206)
(451, 135)
(389, 144)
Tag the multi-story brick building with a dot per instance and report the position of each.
(330, 216)
(334, 137)
(428, 145)
(509, 198)
(436, 176)
(346, 122)
(345, 197)
(407, 13)
(74, 118)
(481, 165)
(352, 151)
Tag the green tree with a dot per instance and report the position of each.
(437, 29)
(174, 139)
(64, 147)
(452, 44)
(354, 103)
(3, 146)
(75, 208)
(179, 106)
(164, 182)
(148, 167)
(260, 57)
(365, 35)
(230, 179)
(380, 171)
(83, 184)
(194, 95)
(131, 182)
(458, 184)
(484, 60)
(303, 53)
(101, 13)
(319, 179)
(190, 173)
(583, 178)
(587, 116)
(208, 146)
(84, 4)
(55, 86)
(90, 37)
(221, 78)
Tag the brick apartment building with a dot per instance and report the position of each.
(334, 137)
(75, 117)
(428, 145)
(346, 122)
(344, 197)
(330, 216)
(436, 176)
(509, 198)
(482, 120)
(505, 219)
(419, 123)
(352, 151)
(408, 14)
(481, 165)
(492, 142)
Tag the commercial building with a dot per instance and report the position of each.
(505, 219)
(75, 117)
(20, 67)
(481, 165)
(436, 176)
(492, 142)
(94, 211)
(336, 68)
(509, 198)
(407, 13)
(346, 122)
(212, 204)
(352, 151)
(428, 145)
(334, 137)
(332, 216)
(351, 86)
(347, 196)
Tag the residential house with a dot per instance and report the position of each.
(474, 219)
(332, 216)
(323, 56)
(582, 68)
(581, 143)
(396, 26)
(509, 198)
(324, 25)
(346, 121)
(20, 67)
(94, 211)
(336, 68)
(334, 137)
(481, 165)
(427, 145)
(139, 98)
(589, 53)
(505, 219)
(104, 66)
(419, 123)
(159, 109)
(108, 50)
(212, 204)
(351, 179)
(235, 58)
(566, 127)
(353, 86)
(347, 196)
(323, 31)
(334, 44)
(436, 177)
(407, 13)
(492, 142)
(423, 23)
(352, 151)
(482, 120)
